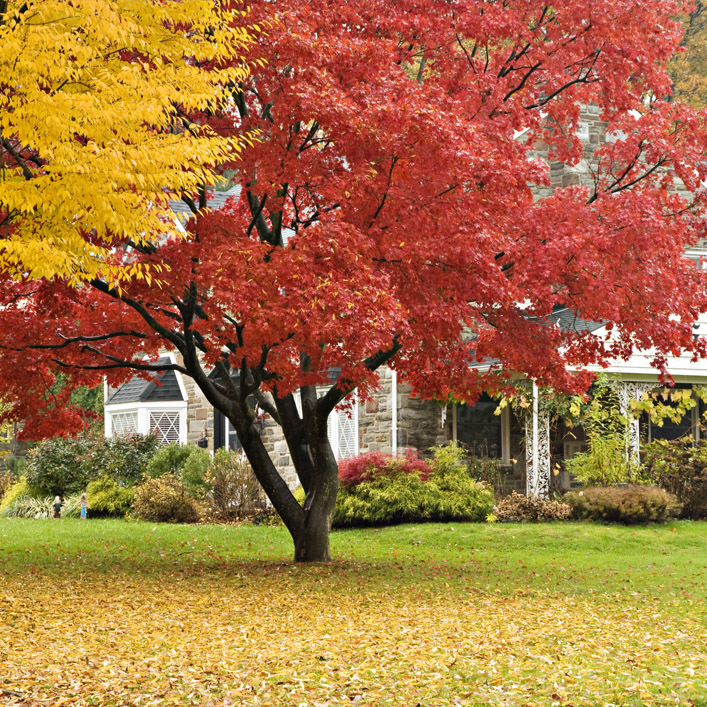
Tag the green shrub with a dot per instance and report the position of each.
(165, 500)
(628, 505)
(517, 508)
(64, 466)
(16, 491)
(194, 472)
(105, 497)
(234, 492)
(17, 466)
(169, 459)
(123, 459)
(56, 467)
(447, 494)
(680, 468)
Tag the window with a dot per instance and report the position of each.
(124, 423)
(165, 426)
(342, 428)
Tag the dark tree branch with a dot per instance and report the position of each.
(26, 171)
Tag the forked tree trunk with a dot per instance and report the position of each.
(310, 525)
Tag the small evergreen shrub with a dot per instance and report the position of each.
(365, 466)
(105, 497)
(194, 472)
(169, 459)
(17, 466)
(234, 492)
(518, 508)
(680, 468)
(628, 505)
(18, 490)
(165, 500)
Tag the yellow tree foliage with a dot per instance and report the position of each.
(689, 69)
(95, 136)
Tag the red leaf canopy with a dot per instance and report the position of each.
(398, 205)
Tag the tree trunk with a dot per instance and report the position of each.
(312, 539)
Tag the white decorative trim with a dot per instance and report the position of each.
(537, 450)
(628, 391)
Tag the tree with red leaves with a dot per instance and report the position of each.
(395, 210)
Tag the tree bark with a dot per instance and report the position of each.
(309, 526)
(312, 540)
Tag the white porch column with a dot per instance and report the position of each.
(628, 391)
(537, 450)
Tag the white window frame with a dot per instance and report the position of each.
(143, 409)
(143, 416)
(334, 429)
(333, 422)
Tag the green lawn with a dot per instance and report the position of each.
(110, 612)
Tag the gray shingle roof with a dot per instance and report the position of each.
(215, 201)
(570, 320)
(163, 387)
(567, 319)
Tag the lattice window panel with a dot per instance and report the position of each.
(124, 423)
(347, 435)
(343, 433)
(165, 426)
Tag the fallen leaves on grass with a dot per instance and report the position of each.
(318, 636)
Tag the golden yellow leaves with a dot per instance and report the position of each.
(93, 145)
(291, 636)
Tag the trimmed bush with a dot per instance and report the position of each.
(375, 464)
(169, 459)
(401, 497)
(680, 468)
(105, 497)
(517, 508)
(165, 500)
(628, 505)
(194, 472)
(234, 492)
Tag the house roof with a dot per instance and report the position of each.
(163, 387)
(215, 201)
(570, 320)
(566, 319)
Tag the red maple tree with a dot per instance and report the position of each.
(395, 210)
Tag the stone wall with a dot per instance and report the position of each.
(420, 422)
(200, 415)
(375, 418)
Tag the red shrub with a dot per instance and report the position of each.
(357, 469)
